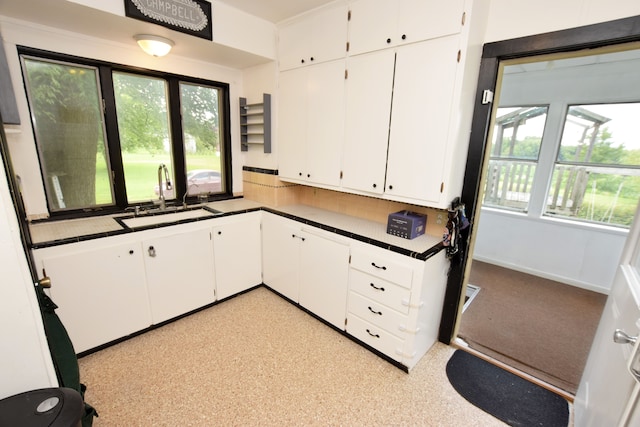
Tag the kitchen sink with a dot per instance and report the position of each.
(166, 217)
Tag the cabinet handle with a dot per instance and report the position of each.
(373, 335)
(376, 288)
(152, 251)
(219, 233)
(391, 187)
(404, 37)
(308, 175)
(374, 312)
(375, 185)
(311, 59)
(388, 41)
(302, 61)
(294, 236)
(379, 267)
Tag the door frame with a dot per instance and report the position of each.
(620, 31)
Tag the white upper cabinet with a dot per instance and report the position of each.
(315, 38)
(311, 117)
(369, 90)
(418, 139)
(380, 24)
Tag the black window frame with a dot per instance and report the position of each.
(113, 146)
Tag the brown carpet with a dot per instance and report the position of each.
(541, 327)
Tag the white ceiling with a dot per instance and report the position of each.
(70, 16)
(275, 10)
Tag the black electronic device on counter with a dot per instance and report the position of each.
(406, 224)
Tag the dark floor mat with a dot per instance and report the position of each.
(504, 395)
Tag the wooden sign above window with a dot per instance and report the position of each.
(187, 16)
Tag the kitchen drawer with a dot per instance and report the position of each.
(380, 290)
(383, 264)
(375, 336)
(378, 314)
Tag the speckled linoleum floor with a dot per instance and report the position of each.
(256, 360)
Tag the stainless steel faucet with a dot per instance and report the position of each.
(162, 168)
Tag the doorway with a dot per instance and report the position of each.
(494, 54)
(561, 176)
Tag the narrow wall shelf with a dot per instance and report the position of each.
(255, 123)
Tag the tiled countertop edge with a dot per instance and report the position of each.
(404, 251)
(418, 255)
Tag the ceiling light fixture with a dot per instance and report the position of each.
(154, 45)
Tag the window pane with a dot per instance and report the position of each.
(601, 134)
(66, 106)
(597, 175)
(202, 138)
(594, 194)
(514, 152)
(145, 137)
(518, 132)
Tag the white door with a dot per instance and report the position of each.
(608, 393)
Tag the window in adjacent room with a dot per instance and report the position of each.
(596, 176)
(514, 155)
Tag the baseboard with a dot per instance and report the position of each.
(545, 275)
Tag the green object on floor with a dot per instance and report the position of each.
(63, 354)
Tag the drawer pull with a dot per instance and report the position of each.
(374, 312)
(378, 266)
(376, 288)
(373, 335)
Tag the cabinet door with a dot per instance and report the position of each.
(373, 25)
(427, 19)
(312, 123)
(325, 130)
(419, 134)
(369, 89)
(237, 252)
(315, 38)
(292, 120)
(101, 294)
(324, 273)
(179, 271)
(380, 24)
(280, 255)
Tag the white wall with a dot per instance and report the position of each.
(517, 18)
(25, 361)
(549, 248)
(258, 80)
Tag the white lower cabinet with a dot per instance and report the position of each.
(395, 301)
(324, 273)
(306, 265)
(112, 287)
(101, 292)
(280, 255)
(237, 251)
(180, 273)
